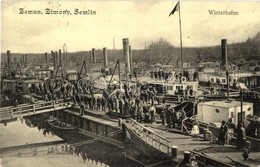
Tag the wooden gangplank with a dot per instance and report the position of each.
(9, 113)
(150, 137)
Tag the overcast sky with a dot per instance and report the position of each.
(140, 21)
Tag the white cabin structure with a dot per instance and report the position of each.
(216, 111)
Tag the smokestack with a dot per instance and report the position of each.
(126, 54)
(90, 56)
(131, 57)
(53, 59)
(224, 54)
(56, 59)
(93, 55)
(46, 57)
(8, 58)
(26, 60)
(24, 64)
(21, 61)
(60, 57)
(15, 63)
(105, 57)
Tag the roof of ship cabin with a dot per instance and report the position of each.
(224, 104)
(32, 81)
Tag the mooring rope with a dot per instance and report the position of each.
(91, 140)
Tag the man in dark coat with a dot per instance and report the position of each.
(241, 136)
(222, 133)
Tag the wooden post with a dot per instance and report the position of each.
(169, 148)
(119, 121)
(152, 139)
(186, 155)
(174, 151)
(12, 113)
(33, 108)
(54, 104)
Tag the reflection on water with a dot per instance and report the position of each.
(34, 129)
(18, 133)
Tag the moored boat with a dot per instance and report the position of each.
(62, 126)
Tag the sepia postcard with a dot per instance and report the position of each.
(130, 83)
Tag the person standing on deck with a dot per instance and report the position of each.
(140, 113)
(82, 107)
(195, 128)
(15, 103)
(163, 114)
(132, 107)
(174, 117)
(121, 103)
(241, 136)
(103, 103)
(126, 105)
(152, 112)
(168, 116)
(182, 115)
(98, 103)
(222, 133)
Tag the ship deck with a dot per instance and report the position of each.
(228, 153)
(212, 149)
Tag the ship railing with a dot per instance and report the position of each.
(157, 141)
(33, 108)
(254, 143)
(205, 160)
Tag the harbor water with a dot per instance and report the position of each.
(31, 132)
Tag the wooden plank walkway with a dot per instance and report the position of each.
(8, 113)
(208, 148)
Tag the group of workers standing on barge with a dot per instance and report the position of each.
(139, 103)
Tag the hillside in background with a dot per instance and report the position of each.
(160, 51)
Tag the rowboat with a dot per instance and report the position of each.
(61, 126)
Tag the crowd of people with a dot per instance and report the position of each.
(230, 126)
(138, 102)
(160, 74)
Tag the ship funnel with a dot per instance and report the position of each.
(93, 56)
(105, 57)
(90, 56)
(131, 57)
(60, 57)
(56, 60)
(24, 63)
(8, 58)
(53, 59)
(126, 55)
(15, 63)
(46, 58)
(224, 54)
(21, 61)
(26, 60)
